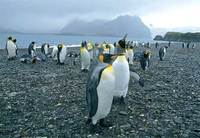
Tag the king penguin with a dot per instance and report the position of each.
(45, 49)
(85, 57)
(61, 55)
(32, 49)
(121, 71)
(90, 48)
(11, 48)
(99, 92)
(130, 54)
(54, 53)
(162, 53)
(145, 59)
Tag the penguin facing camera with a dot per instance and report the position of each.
(61, 55)
(145, 60)
(85, 57)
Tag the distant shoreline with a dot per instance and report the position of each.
(71, 34)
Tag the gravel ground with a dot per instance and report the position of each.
(48, 100)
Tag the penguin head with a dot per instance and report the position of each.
(60, 46)
(107, 46)
(14, 40)
(96, 44)
(10, 38)
(131, 47)
(84, 44)
(122, 43)
(146, 54)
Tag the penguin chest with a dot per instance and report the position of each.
(130, 54)
(46, 50)
(54, 53)
(122, 73)
(85, 56)
(105, 92)
(62, 55)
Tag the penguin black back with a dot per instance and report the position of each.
(91, 88)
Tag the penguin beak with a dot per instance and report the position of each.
(114, 57)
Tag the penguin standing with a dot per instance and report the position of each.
(85, 57)
(32, 49)
(54, 53)
(130, 54)
(11, 48)
(90, 49)
(145, 60)
(99, 93)
(45, 49)
(61, 55)
(121, 71)
(162, 53)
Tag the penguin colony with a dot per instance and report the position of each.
(108, 67)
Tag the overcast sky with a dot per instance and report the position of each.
(44, 15)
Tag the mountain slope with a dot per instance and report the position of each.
(131, 25)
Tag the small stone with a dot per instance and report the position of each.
(17, 136)
(178, 120)
(59, 104)
(142, 115)
(9, 107)
(125, 126)
(12, 94)
(50, 126)
(123, 113)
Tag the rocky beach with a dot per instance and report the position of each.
(48, 100)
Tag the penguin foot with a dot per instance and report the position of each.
(95, 129)
(122, 100)
(102, 123)
(88, 121)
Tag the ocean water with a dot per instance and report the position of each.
(23, 40)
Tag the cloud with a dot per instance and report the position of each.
(43, 15)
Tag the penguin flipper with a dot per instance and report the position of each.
(91, 89)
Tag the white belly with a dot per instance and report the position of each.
(54, 53)
(46, 49)
(122, 76)
(130, 56)
(105, 91)
(63, 53)
(85, 60)
(112, 49)
(11, 47)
